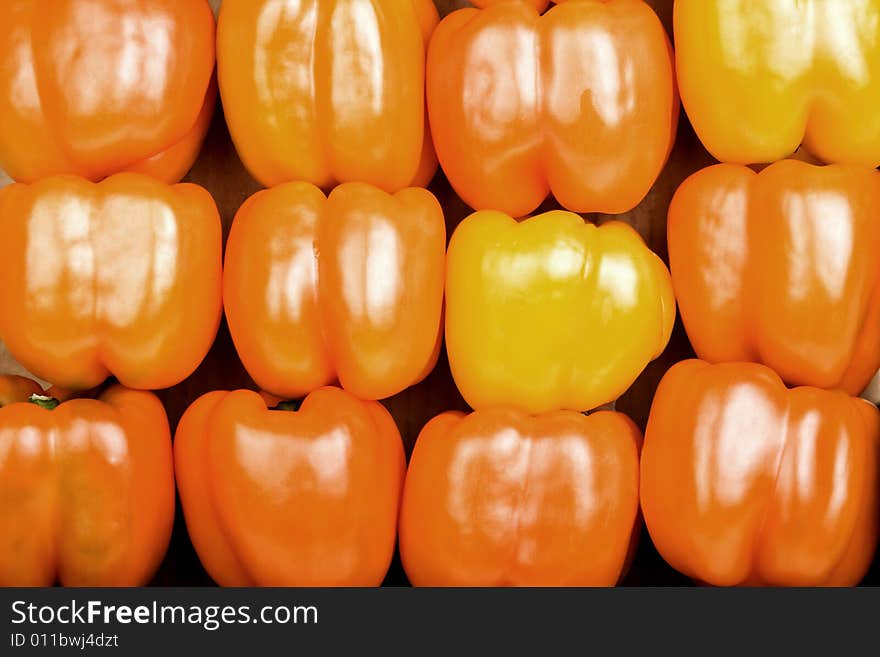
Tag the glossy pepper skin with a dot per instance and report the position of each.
(283, 498)
(347, 287)
(86, 489)
(780, 268)
(580, 102)
(540, 5)
(744, 481)
(758, 77)
(328, 91)
(119, 278)
(552, 312)
(14, 388)
(500, 498)
(95, 87)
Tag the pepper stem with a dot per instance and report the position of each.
(43, 401)
(291, 405)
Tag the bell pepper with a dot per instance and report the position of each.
(14, 388)
(347, 287)
(86, 488)
(119, 278)
(780, 268)
(274, 497)
(328, 92)
(744, 481)
(500, 498)
(552, 312)
(96, 87)
(580, 102)
(540, 5)
(759, 77)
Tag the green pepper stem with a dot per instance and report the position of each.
(43, 401)
(292, 405)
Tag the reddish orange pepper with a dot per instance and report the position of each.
(280, 498)
(328, 91)
(746, 482)
(348, 287)
(95, 87)
(580, 102)
(781, 268)
(501, 498)
(86, 489)
(117, 278)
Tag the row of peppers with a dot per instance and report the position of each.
(740, 479)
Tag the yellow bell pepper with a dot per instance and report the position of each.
(759, 77)
(552, 313)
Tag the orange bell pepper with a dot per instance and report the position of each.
(758, 77)
(346, 288)
(781, 268)
(283, 498)
(120, 278)
(92, 88)
(540, 5)
(552, 312)
(14, 388)
(580, 102)
(86, 489)
(328, 91)
(746, 482)
(501, 498)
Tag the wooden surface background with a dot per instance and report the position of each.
(219, 170)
